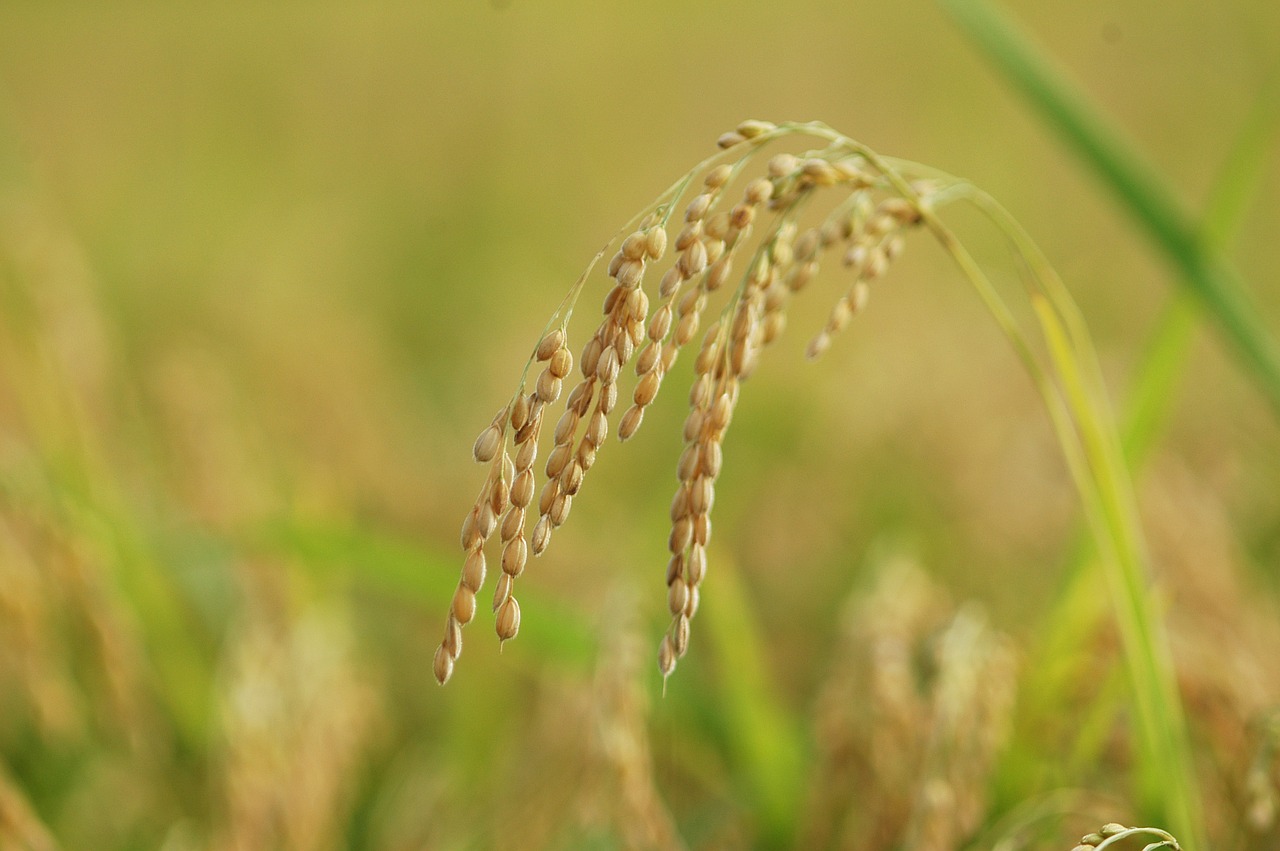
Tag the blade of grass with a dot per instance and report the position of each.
(1080, 607)
(1233, 193)
(767, 743)
(72, 487)
(1143, 193)
(1077, 405)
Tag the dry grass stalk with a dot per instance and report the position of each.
(1224, 651)
(868, 218)
(297, 718)
(910, 721)
(627, 791)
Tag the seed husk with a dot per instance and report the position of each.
(697, 564)
(487, 444)
(694, 259)
(591, 357)
(629, 273)
(680, 634)
(541, 535)
(597, 429)
(560, 509)
(666, 657)
(608, 366)
(561, 363)
(675, 568)
(500, 594)
(728, 140)
(630, 422)
(522, 489)
(565, 427)
(656, 243)
(464, 604)
(634, 246)
(550, 344)
(753, 127)
(471, 537)
(647, 389)
(508, 620)
(514, 557)
(473, 570)
(571, 478)
(548, 387)
(513, 521)
(443, 665)
(558, 458)
(608, 398)
(649, 356)
(681, 535)
(690, 458)
(452, 642)
(718, 176)
(550, 491)
(677, 597)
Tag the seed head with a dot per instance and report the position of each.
(867, 228)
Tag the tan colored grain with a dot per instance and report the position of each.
(514, 556)
(473, 570)
(541, 536)
(508, 620)
(729, 140)
(549, 345)
(656, 243)
(502, 590)
(464, 604)
(442, 665)
(513, 520)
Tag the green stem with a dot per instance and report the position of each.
(1153, 206)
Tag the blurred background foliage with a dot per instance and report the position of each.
(266, 270)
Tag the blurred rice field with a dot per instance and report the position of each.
(267, 269)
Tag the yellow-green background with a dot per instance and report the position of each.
(268, 268)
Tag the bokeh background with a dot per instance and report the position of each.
(267, 269)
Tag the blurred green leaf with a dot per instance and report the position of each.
(1145, 196)
(765, 737)
(406, 570)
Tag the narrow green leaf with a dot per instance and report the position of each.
(1143, 194)
(767, 743)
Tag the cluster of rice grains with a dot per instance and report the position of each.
(1113, 834)
(745, 248)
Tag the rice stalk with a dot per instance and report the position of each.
(878, 199)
